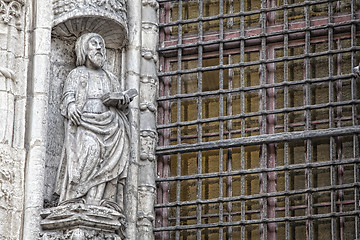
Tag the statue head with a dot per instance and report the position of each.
(90, 47)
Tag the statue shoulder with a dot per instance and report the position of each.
(77, 71)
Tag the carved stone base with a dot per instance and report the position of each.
(78, 221)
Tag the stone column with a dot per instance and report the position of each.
(148, 134)
(132, 81)
(38, 85)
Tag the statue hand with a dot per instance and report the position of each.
(74, 114)
(124, 101)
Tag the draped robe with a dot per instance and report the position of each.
(96, 151)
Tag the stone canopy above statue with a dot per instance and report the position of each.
(72, 18)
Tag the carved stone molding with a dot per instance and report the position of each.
(78, 234)
(146, 216)
(11, 190)
(6, 186)
(149, 54)
(82, 221)
(10, 10)
(7, 73)
(105, 17)
(148, 139)
(115, 6)
(150, 26)
(149, 79)
(148, 106)
(151, 3)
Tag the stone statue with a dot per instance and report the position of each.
(96, 149)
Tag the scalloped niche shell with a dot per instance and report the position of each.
(72, 18)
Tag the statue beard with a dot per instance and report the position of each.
(97, 58)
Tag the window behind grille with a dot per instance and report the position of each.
(258, 120)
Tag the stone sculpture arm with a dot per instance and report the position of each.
(68, 106)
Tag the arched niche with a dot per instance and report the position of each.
(62, 61)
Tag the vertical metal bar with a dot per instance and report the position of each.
(178, 115)
(355, 121)
(308, 170)
(270, 128)
(199, 127)
(262, 120)
(221, 112)
(229, 129)
(331, 120)
(339, 146)
(286, 118)
(229, 150)
(356, 190)
(242, 111)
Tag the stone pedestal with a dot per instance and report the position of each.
(80, 221)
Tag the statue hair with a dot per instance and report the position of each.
(81, 47)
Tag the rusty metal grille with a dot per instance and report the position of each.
(258, 120)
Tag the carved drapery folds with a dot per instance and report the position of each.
(91, 219)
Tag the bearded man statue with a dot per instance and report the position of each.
(96, 149)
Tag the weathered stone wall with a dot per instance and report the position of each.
(36, 59)
(13, 87)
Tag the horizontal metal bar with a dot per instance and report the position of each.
(259, 221)
(257, 87)
(257, 129)
(253, 34)
(239, 14)
(259, 170)
(256, 140)
(247, 64)
(258, 196)
(259, 113)
(256, 211)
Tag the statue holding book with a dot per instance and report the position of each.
(96, 149)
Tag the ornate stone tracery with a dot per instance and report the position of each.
(10, 10)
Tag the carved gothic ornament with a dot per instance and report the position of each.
(10, 10)
(82, 221)
(73, 18)
(151, 3)
(7, 73)
(149, 55)
(148, 140)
